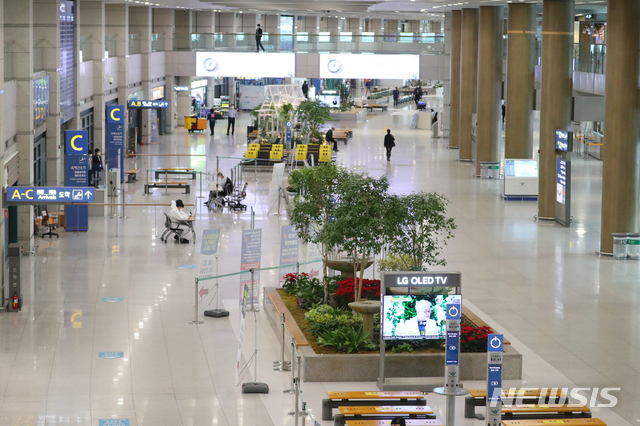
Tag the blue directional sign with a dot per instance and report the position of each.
(453, 347)
(564, 140)
(494, 383)
(494, 343)
(113, 422)
(115, 114)
(289, 123)
(115, 137)
(453, 311)
(110, 355)
(112, 299)
(288, 136)
(77, 170)
(77, 142)
(49, 195)
(181, 88)
(148, 104)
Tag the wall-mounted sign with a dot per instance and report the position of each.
(448, 279)
(148, 104)
(157, 93)
(49, 195)
(40, 100)
(240, 64)
(563, 191)
(181, 88)
(369, 66)
(564, 140)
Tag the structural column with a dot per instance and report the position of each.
(468, 80)
(521, 57)
(163, 24)
(490, 85)
(621, 170)
(116, 28)
(183, 28)
(204, 22)
(454, 78)
(140, 23)
(2, 123)
(557, 86)
(446, 93)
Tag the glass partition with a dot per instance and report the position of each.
(157, 42)
(134, 44)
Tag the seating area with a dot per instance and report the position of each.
(371, 107)
(132, 175)
(343, 399)
(181, 171)
(547, 411)
(343, 135)
(153, 184)
(382, 413)
(478, 398)
(565, 422)
(272, 152)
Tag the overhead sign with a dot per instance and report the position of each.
(49, 195)
(181, 88)
(564, 140)
(112, 299)
(241, 64)
(77, 142)
(113, 422)
(148, 104)
(369, 66)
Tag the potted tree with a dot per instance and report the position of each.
(312, 113)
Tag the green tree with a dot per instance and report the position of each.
(420, 228)
(312, 113)
(361, 219)
(313, 207)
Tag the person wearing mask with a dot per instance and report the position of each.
(233, 113)
(211, 118)
(389, 143)
(177, 215)
(96, 167)
(258, 39)
(223, 187)
(329, 138)
(305, 90)
(396, 96)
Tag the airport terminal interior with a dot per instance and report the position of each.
(497, 106)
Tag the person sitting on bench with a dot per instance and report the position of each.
(177, 215)
(398, 421)
(223, 183)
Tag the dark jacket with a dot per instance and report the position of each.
(329, 136)
(258, 33)
(96, 163)
(211, 117)
(396, 94)
(305, 88)
(389, 141)
(417, 93)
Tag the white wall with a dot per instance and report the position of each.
(85, 80)
(110, 71)
(134, 67)
(157, 65)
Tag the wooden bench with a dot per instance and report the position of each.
(175, 171)
(343, 399)
(162, 184)
(132, 175)
(343, 135)
(382, 413)
(565, 422)
(478, 398)
(289, 322)
(545, 411)
(410, 422)
(371, 107)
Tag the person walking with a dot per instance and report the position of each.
(367, 88)
(396, 95)
(96, 167)
(258, 39)
(329, 138)
(417, 95)
(389, 143)
(211, 118)
(305, 90)
(233, 113)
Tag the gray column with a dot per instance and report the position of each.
(445, 120)
(2, 120)
(18, 27)
(489, 85)
(92, 30)
(621, 170)
(46, 35)
(454, 78)
(228, 23)
(117, 30)
(521, 57)
(184, 100)
(249, 21)
(163, 25)
(184, 26)
(557, 85)
(468, 80)
(140, 23)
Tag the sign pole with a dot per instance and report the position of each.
(494, 379)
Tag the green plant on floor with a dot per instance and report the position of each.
(310, 294)
(312, 113)
(326, 318)
(346, 101)
(344, 339)
(293, 282)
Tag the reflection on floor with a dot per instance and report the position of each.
(573, 315)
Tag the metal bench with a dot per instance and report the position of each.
(381, 413)
(162, 184)
(343, 399)
(175, 171)
(478, 398)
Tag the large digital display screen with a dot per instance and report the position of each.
(369, 66)
(564, 140)
(415, 316)
(522, 168)
(248, 65)
(331, 101)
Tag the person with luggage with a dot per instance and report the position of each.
(211, 118)
(329, 138)
(233, 113)
(417, 95)
(389, 143)
(258, 39)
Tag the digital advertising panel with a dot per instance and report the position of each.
(240, 64)
(369, 66)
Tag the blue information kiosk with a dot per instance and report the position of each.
(77, 175)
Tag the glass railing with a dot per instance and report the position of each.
(589, 58)
(314, 43)
(134, 44)
(157, 43)
(110, 47)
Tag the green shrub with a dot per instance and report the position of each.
(344, 339)
(310, 294)
(326, 318)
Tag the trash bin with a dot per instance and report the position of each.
(434, 130)
(619, 245)
(633, 246)
(489, 170)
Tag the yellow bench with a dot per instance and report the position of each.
(343, 399)
(410, 422)
(478, 398)
(381, 413)
(565, 422)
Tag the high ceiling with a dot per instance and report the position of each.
(412, 9)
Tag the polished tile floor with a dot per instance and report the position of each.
(573, 315)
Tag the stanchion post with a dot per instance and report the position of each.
(166, 183)
(255, 170)
(293, 368)
(282, 365)
(304, 412)
(200, 196)
(297, 268)
(195, 317)
(155, 220)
